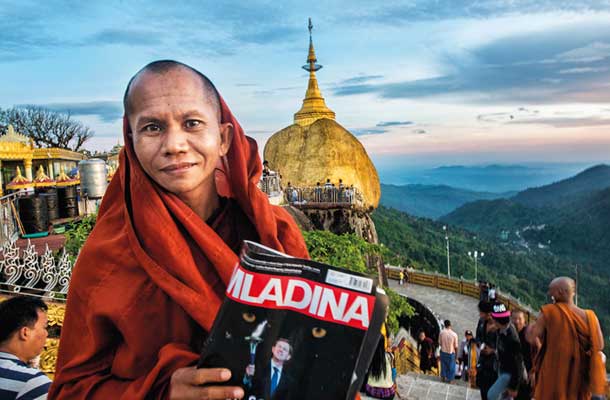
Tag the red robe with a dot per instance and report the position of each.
(150, 279)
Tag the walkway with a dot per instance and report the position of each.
(423, 387)
(461, 310)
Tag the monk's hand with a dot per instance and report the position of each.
(185, 384)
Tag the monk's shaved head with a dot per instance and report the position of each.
(562, 289)
(163, 67)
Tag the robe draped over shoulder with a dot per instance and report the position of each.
(569, 366)
(150, 279)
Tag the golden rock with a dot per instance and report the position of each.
(316, 147)
(305, 155)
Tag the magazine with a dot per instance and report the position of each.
(293, 329)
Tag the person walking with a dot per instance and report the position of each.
(486, 339)
(511, 371)
(449, 345)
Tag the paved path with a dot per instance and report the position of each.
(463, 313)
(461, 310)
(421, 387)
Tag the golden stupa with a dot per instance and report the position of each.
(316, 148)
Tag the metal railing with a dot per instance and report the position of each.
(25, 272)
(324, 195)
(461, 286)
(270, 184)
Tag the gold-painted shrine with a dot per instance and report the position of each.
(17, 150)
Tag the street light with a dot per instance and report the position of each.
(476, 255)
(447, 240)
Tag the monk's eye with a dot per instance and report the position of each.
(151, 128)
(193, 123)
(248, 317)
(318, 332)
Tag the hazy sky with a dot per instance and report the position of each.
(419, 82)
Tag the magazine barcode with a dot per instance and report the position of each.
(348, 281)
(355, 282)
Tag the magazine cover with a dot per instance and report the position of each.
(295, 329)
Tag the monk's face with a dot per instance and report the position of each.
(176, 134)
(518, 319)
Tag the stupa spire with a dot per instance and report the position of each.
(314, 107)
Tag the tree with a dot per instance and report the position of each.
(46, 128)
(350, 251)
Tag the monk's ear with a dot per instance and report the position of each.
(226, 138)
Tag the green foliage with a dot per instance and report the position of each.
(399, 306)
(77, 234)
(351, 252)
(420, 243)
(347, 251)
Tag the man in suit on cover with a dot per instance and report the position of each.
(271, 381)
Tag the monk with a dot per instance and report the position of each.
(570, 364)
(152, 275)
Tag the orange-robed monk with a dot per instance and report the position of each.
(152, 275)
(570, 364)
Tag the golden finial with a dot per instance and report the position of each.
(314, 107)
(19, 181)
(42, 179)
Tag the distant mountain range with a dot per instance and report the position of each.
(569, 218)
(490, 178)
(431, 201)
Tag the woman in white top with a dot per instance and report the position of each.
(380, 384)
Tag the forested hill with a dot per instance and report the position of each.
(577, 229)
(566, 191)
(420, 243)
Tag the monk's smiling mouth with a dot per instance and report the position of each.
(178, 167)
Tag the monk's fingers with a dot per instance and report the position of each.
(210, 375)
(220, 392)
(185, 392)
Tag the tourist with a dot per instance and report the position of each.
(425, 347)
(318, 193)
(527, 351)
(401, 277)
(510, 361)
(486, 339)
(468, 355)
(380, 383)
(571, 363)
(266, 170)
(23, 333)
(492, 293)
(448, 340)
(483, 291)
(152, 275)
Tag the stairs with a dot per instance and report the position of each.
(413, 386)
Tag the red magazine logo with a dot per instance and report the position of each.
(315, 299)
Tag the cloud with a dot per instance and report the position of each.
(368, 131)
(521, 68)
(126, 37)
(501, 117)
(393, 123)
(360, 79)
(413, 11)
(419, 131)
(106, 111)
(564, 122)
(596, 51)
(582, 70)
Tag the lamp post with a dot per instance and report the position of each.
(476, 255)
(447, 240)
